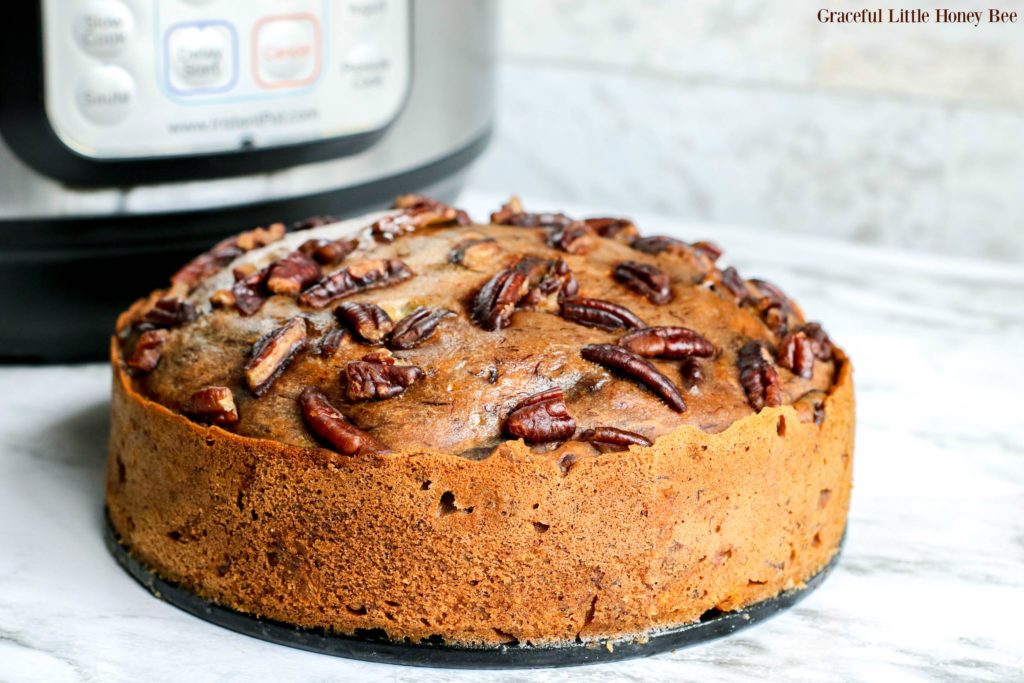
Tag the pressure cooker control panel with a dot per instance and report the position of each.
(129, 79)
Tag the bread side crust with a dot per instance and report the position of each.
(421, 543)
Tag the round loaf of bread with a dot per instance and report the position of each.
(537, 430)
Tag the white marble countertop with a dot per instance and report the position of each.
(930, 585)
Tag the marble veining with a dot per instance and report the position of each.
(930, 586)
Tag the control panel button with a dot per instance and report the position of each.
(201, 57)
(365, 67)
(363, 16)
(286, 51)
(102, 27)
(106, 95)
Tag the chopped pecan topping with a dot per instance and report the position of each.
(292, 274)
(667, 342)
(329, 425)
(417, 327)
(312, 222)
(606, 439)
(250, 291)
(260, 237)
(645, 279)
(600, 314)
(635, 367)
(369, 322)
(620, 229)
(273, 353)
(222, 298)
(417, 212)
(692, 372)
(167, 312)
(375, 378)
(496, 301)
(797, 354)
(359, 277)
(146, 354)
(213, 405)
(758, 376)
(511, 213)
(328, 252)
(331, 342)
(477, 254)
(206, 264)
(575, 238)
(541, 418)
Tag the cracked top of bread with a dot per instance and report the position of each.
(419, 329)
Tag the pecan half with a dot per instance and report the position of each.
(821, 345)
(637, 368)
(418, 212)
(273, 353)
(167, 312)
(292, 274)
(710, 249)
(667, 342)
(496, 301)
(260, 237)
(328, 252)
(148, 348)
(250, 291)
(208, 263)
(575, 238)
(312, 222)
(620, 229)
(758, 377)
(607, 439)
(329, 425)
(730, 278)
(417, 327)
(796, 353)
(359, 277)
(600, 314)
(213, 405)
(692, 372)
(331, 342)
(477, 254)
(375, 378)
(548, 283)
(645, 279)
(658, 244)
(369, 322)
(511, 213)
(541, 418)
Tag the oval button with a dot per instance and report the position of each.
(199, 56)
(106, 95)
(102, 27)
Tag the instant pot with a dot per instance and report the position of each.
(135, 133)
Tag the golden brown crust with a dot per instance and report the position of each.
(482, 551)
(458, 531)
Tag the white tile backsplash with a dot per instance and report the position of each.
(753, 113)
